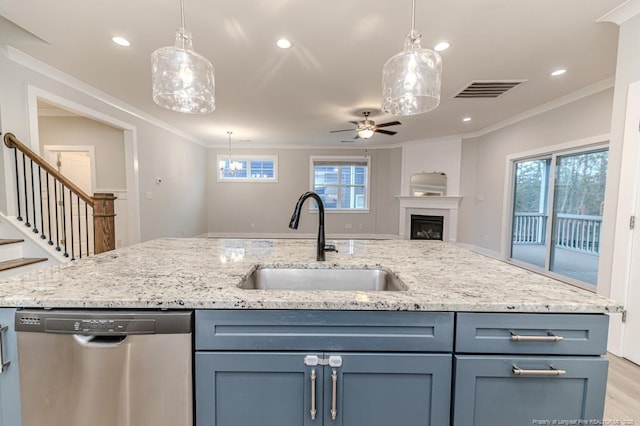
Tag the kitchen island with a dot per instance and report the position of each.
(463, 332)
(203, 273)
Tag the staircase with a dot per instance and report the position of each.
(11, 249)
(52, 220)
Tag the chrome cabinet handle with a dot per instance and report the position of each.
(550, 337)
(334, 391)
(552, 371)
(3, 364)
(313, 395)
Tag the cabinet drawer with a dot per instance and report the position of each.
(549, 334)
(324, 330)
(489, 392)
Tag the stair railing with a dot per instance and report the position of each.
(51, 205)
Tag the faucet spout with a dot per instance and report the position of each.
(295, 220)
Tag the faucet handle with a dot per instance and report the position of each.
(330, 247)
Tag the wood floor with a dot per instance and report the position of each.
(622, 406)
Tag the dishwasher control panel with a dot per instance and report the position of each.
(103, 322)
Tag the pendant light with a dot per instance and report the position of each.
(230, 167)
(182, 79)
(411, 79)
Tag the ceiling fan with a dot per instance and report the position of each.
(366, 128)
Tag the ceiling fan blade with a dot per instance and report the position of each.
(391, 123)
(385, 132)
(351, 141)
(344, 130)
(354, 123)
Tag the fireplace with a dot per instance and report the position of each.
(427, 227)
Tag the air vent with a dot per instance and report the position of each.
(488, 89)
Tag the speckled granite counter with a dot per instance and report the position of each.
(204, 273)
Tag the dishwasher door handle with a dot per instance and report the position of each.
(99, 341)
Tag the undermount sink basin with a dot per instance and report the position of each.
(272, 278)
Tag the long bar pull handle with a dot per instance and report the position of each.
(3, 364)
(552, 372)
(313, 410)
(334, 391)
(550, 337)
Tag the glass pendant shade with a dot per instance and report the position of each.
(182, 79)
(411, 79)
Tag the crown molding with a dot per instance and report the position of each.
(55, 74)
(622, 13)
(549, 106)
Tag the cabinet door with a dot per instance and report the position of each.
(490, 391)
(255, 388)
(383, 389)
(9, 380)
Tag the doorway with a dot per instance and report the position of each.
(557, 213)
(76, 163)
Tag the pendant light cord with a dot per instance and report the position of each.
(413, 34)
(182, 13)
(413, 17)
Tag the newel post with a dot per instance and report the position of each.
(103, 222)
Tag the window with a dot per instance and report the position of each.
(341, 182)
(571, 186)
(247, 168)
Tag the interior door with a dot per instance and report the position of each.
(76, 166)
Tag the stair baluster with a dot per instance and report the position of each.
(33, 201)
(64, 222)
(26, 195)
(15, 158)
(42, 235)
(49, 209)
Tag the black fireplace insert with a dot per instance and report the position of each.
(427, 227)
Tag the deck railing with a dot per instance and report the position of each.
(573, 232)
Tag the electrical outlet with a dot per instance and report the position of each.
(149, 195)
(361, 227)
(348, 226)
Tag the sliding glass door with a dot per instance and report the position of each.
(567, 242)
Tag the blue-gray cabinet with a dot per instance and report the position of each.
(280, 368)
(9, 380)
(529, 369)
(281, 389)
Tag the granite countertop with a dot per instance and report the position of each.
(205, 272)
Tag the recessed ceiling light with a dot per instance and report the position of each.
(441, 46)
(283, 43)
(558, 72)
(466, 119)
(121, 41)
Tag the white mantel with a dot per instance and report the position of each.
(447, 207)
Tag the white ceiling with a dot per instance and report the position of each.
(333, 71)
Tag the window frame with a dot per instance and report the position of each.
(341, 159)
(247, 159)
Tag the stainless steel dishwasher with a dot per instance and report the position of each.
(105, 368)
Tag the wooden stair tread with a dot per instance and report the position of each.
(4, 241)
(16, 263)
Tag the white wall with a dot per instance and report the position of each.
(613, 274)
(433, 155)
(484, 157)
(107, 141)
(249, 208)
(176, 208)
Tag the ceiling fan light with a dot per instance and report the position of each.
(411, 79)
(365, 133)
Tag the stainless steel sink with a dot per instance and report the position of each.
(272, 278)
